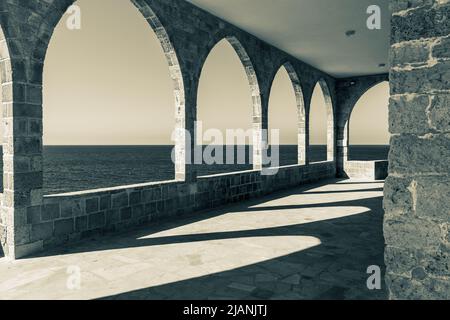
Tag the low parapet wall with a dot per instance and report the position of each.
(70, 217)
(372, 170)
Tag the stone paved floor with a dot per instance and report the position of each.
(314, 242)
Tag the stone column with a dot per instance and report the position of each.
(22, 153)
(417, 192)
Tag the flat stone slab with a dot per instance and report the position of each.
(313, 242)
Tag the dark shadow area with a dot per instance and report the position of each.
(336, 269)
(368, 152)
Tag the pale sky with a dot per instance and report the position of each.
(109, 83)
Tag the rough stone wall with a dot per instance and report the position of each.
(417, 192)
(64, 218)
(187, 35)
(348, 92)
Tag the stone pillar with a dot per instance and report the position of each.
(22, 152)
(417, 192)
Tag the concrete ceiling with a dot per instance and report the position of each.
(314, 30)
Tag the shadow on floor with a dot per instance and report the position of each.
(336, 269)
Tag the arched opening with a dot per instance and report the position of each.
(5, 80)
(5, 102)
(287, 115)
(369, 125)
(321, 125)
(227, 102)
(109, 117)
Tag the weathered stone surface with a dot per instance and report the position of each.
(439, 113)
(430, 193)
(421, 80)
(401, 5)
(414, 234)
(398, 199)
(416, 53)
(409, 114)
(414, 155)
(416, 203)
(92, 205)
(424, 22)
(96, 220)
(441, 50)
(42, 231)
(65, 226)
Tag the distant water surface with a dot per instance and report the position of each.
(75, 168)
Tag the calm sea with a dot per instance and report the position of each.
(72, 168)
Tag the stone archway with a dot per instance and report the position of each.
(259, 138)
(301, 111)
(330, 118)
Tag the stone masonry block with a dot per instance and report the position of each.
(431, 191)
(92, 205)
(425, 155)
(50, 212)
(410, 53)
(412, 233)
(96, 220)
(63, 227)
(409, 114)
(425, 22)
(421, 80)
(42, 231)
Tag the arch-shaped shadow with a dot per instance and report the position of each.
(349, 116)
(301, 111)
(330, 118)
(253, 82)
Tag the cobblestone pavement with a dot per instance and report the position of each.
(314, 242)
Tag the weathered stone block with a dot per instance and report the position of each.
(439, 113)
(96, 220)
(66, 209)
(42, 231)
(65, 226)
(138, 211)
(425, 22)
(92, 205)
(34, 214)
(125, 213)
(135, 197)
(401, 5)
(425, 155)
(431, 191)
(409, 114)
(120, 200)
(50, 212)
(421, 80)
(105, 202)
(81, 224)
(441, 50)
(413, 234)
(398, 199)
(416, 53)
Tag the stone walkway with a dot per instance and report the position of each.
(314, 242)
